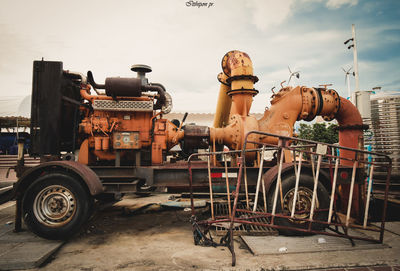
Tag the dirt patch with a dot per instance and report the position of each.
(135, 264)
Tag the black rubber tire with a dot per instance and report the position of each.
(53, 188)
(306, 184)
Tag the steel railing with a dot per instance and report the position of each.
(329, 158)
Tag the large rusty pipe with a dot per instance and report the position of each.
(299, 103)
(287, 107)
(236, 95)
(237, 66)
(224, 103)
(350, 129)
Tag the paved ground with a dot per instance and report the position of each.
(117, 239)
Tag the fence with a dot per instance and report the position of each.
(312, 188)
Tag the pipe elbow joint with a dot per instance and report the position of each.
(330, 104)
(319, 102)
(237, 66)
(237, 63)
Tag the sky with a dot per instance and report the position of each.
(184, 43)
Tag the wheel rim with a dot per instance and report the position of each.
(54, 206)
(303, 203)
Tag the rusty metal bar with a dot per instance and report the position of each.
(327, 155)
(251, 217)
(246, 190)
(385, 203)
(214, 156)
(296, 188)
(259, 180)
(191, 187)
(278, 184)
(333, 190)
(371, 172)
(231, 245)
(228, 193)
(264, 194)
(294, 162)
(261, 214)
(312, 164)
(353, 177)
(342, 235)
(210, 184)
(262, 224)
(311, 142)
(315, 187)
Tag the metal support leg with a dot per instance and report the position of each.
(210, 185)
(278, 184)
(246, 188)
(353, 178)
(296, 188)
(18, 215)
(228, 193)
(314, 196)
(333, 190)
(368, 196)
(259, 179)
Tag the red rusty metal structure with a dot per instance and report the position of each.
(307, 207)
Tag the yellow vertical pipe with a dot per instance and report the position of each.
(224, 103)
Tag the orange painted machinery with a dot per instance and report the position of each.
(97, 140)
(125, 123)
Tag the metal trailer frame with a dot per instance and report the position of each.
(337, 227)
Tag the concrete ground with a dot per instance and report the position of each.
(119, 239)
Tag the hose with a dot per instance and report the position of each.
(160, 90)
(92, 82)
(77, 74)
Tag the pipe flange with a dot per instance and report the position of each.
(243, 91)
(353, 127)
(320, 104)
(336, 97)
(310, 104)
(242, 77)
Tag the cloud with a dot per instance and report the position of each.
(335, 4)
(394, 83)
(184, 45)
(267, 13)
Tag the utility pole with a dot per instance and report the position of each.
(354, 46)
(353, 31)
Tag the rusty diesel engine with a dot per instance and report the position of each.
(122, 122)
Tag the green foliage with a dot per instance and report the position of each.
(319, 132)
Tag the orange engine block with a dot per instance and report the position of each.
(126, 128)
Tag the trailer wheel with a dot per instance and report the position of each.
(303, 206)
(56, 205)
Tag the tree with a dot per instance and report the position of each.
(319, 132)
